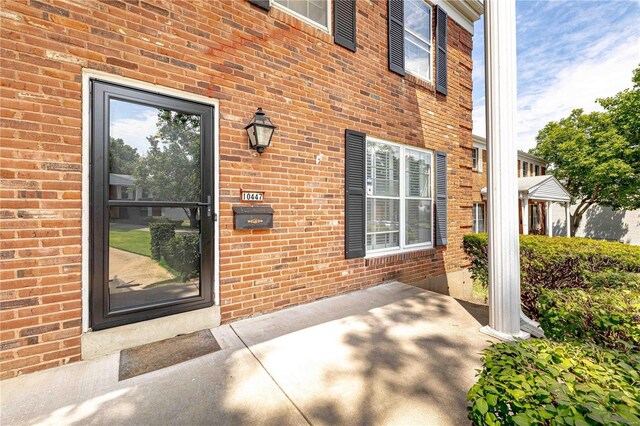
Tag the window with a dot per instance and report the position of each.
(537, 170)
(525, 168)
(417, 38)
(474, 158)
(124, 193)
(478, 217)
(399, 199)
(316, 12)
(535, 218)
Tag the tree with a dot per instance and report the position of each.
(122, 157)
(170, 170)
(597, 155)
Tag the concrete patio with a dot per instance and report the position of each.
(391, 354)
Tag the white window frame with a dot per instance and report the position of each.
(303, 18)
(536, 169)
(429, 43)
(475, 153)
(476, 217)
(525, 169)
(403, 247)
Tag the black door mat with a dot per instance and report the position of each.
(154, 356)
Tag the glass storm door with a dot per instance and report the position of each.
(151, 205)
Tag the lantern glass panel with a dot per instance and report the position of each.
(263, 134)
(251, 131)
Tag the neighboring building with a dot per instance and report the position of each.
(602, 223)
(368, 173)
(537, 192)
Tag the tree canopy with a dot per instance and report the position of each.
(597, 155)
(122, 157)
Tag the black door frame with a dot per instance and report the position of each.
(100, 315)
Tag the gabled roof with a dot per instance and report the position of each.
(543, 188)
(119, 179)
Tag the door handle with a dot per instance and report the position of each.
(207, 205)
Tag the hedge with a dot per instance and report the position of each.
(182, 254)
(544, 382)
(161, 232)
(556, 263)
(599, 315)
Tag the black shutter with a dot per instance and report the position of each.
(355, 194)
(441, 50)
(344, 23)
(396, 36)
(263, 4)
(441, 199)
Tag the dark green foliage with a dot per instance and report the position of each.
(182, 254)
(612, 279)
(544, 382)
(161, 232)
(601, 316)
(122, 157)
(556, 263)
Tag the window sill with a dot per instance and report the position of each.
(419, 81)
(395, 256)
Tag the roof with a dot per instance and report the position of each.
(543, 188)
(479, 141)
(118, 179)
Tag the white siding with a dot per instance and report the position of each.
(601, 223)
(549, 190)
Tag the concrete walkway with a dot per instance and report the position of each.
(391, 354)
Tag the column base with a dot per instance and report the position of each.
(505, 337)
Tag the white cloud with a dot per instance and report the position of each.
(602, 71)
(135, 129)
(578, 85)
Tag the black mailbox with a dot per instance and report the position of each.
(260, 217)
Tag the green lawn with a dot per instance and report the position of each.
(131, 240)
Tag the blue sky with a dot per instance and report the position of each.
(569, 54)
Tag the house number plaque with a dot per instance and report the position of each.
(251, 196)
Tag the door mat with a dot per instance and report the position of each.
(154, 356)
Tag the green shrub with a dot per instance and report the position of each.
(612, 279)
(161, 232)
(556, 263)
(544, 382)
(182, 254)
(598, 315)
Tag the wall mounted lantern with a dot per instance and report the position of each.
(260, 130)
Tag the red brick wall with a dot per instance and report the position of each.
(245, 58)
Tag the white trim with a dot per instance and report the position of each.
(303, 18)
(404, 248)
(87, 75)
(390, 252)
(429, 43)
(465, 13)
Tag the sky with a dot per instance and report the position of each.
(569, 53)
(133, 123)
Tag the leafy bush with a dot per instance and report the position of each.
(182, 254)
(601, 316)
(161, 232)
(544, 382)
(610, 279)
(556, 263)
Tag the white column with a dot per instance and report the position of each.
(502, 159)
(549, 220)
(525, 215)
(567, 213)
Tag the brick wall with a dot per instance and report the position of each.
(245, 58)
